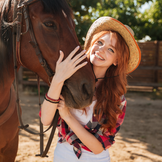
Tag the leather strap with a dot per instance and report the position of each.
(55, 119)
(54, 124)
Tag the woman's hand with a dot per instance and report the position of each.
(65, 69)
(63, 110)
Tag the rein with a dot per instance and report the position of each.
(21, 9)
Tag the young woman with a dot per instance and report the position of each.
(85, 135)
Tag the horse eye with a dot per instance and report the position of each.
(50, 25)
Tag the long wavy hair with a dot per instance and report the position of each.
(113, 86)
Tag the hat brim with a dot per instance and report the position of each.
(109, 23)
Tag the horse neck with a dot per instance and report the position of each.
(5, 86)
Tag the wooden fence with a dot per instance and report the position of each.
(149, 73)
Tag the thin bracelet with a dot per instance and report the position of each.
(51, 99)
(55, 102)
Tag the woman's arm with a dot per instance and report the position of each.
(64, 70)
(89, 140)
(48, 109)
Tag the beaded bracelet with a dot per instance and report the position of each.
(47, 98)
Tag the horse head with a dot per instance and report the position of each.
(53, 27)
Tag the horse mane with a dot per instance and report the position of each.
(50, 6)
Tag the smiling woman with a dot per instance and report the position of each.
(86, 134)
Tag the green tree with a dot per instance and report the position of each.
(83, 14)
(126, 11)
(153, 21)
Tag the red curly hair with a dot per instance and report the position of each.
(110, 89)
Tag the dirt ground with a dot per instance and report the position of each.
(139, 140)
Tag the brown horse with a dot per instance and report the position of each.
(53, 27)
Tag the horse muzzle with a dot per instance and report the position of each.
(77, 94)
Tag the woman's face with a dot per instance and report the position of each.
(103, 53)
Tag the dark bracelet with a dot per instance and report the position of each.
(55, 102)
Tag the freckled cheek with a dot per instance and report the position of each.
(93, 49)
(110, 58)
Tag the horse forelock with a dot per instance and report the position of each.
(55, 6)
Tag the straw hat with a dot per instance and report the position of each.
(109, 23)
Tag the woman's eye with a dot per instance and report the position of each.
(50, 25)
(111, 50)
(99, 42)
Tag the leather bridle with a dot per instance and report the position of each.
(20, 10)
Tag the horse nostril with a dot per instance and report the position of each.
(85, 91)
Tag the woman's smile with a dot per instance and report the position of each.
(99, 57)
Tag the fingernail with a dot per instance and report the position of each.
(78, 47)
